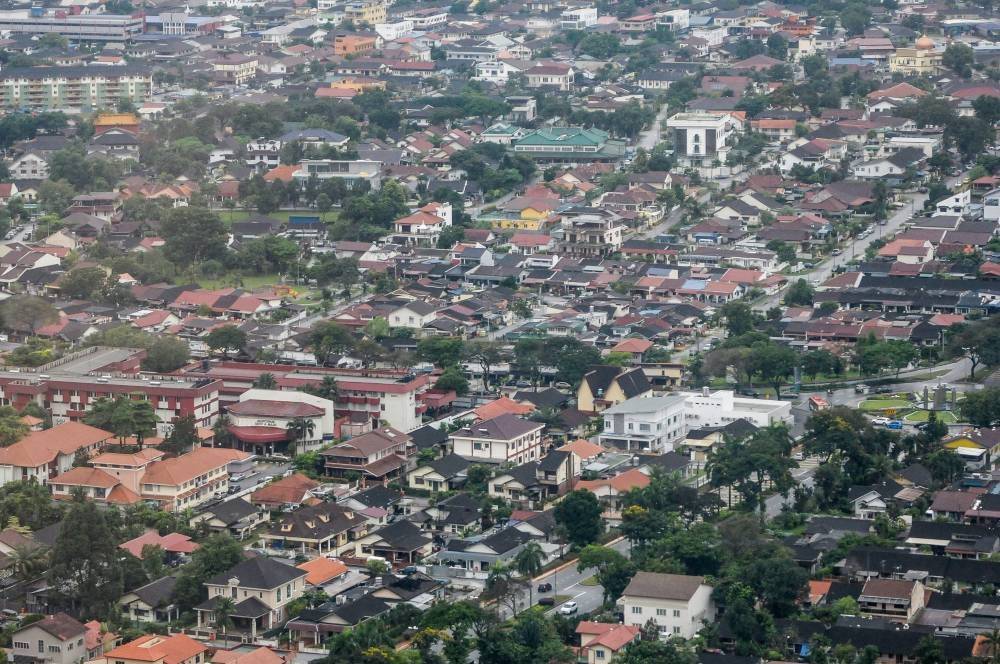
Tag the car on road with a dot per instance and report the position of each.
(861, 388)
(836, 252)
(569, 608)
(881, 421)
(546, 601)
(544, 587)
(894, 424)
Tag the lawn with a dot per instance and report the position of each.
(945, 416)
(590, 581)
(881, 404)
(248, 281)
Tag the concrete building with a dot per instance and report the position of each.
(703, 139)
(260, 588)
(578, 18)
(589, 232)
(352, 172)
(264, 421)
(55, 639)
(75, 27)
(680, 605)
(370, 12)
(503, 439)
(713, 409)
(650, 425)
(924, 58)
(75, 88)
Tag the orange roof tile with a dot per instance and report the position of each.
(41, 447)
(501, 406)
(172, 472)
(322, 570)
(582, 448)
(156, 648)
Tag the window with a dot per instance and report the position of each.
(54, 649)
(637, 610)
(21, 645)
(677, 630)
(41, 646)
(661, 612)
(599, 654)
(677, 613)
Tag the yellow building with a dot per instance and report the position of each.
(522, 216)
(605, 386)
(366, 11)
(923, 58)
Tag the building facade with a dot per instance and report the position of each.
(73, 88)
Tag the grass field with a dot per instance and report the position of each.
(229, 216)
(921, 416)
(247, 282)
(880, 404)
(591, 581)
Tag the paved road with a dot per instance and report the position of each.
(566, 582)
(650, 137)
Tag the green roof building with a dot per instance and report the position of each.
(569, 144)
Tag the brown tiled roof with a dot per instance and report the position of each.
(663, 586)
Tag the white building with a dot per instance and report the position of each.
(395, 30)
(991, 206)
(703, 139)
(680, 605)
(714, 36)
(502, 439)
(723, 406)
(578, 18)
(263, 153)
(674, 19)
(495, 71)
(270, 411)
(956, 204)
(645, 425)
(29, 166)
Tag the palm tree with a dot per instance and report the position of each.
(300, 428)
(265, 381)
(528, 563)
(27, 560)
(224, 610)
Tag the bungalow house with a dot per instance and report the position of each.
(236, 516)
(607, 385)
(600, 642)
(456, 515)
(400, 543)
(482, 554)
(378, 454)
(152, 602)
(445, 474)
(678, 604)
(261, 588)
(158, 649)
(324, 528)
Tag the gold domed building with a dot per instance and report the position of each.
(923, 58)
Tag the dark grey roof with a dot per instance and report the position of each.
(157, 593)
(500, 542)
(260, 572)
(428, 436)
(231, 511)
(552, 461)
(502, 427)
(377, 496)
(547, 398)
(402, 536)
(449, 466)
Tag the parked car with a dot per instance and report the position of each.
(881, 421)
(546, 601)
(544, 587)
(894, 424)
(569, 608)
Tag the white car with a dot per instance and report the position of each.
(882, 421)
(568, 609)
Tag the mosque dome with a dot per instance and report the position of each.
(925, 43)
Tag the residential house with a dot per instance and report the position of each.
(502, 439)
(378, 454)
(55, 639)
(680, 605)
(645, 424)
(158, 649)
(445, 474)
(892, 599)
(151, 602)
(325, 529)
(260, 588)
(607, 385)
(400, 543)
(41, 455)
(600, 643)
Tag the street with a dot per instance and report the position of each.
(567, 582)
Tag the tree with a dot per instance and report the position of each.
(84, 573)
(166, 354)
(821, 361)
(958, 57)
(82, 283)
(300, 428)
(325, 389)
(224, 610)
(216, 555)
(773, 363)
(27, 314)
(580, 513)
(124, 417)
(182, 437)
(854, 19)
(329, 340)
(12, 428)
(226, 338)
(981, 408)
(800, 293)
(193, 235)
(528, 563)
(785, 251)
(452, 379)
(777, 47)
(265, 381)
(440, 351)
(749, 465)
(987, 108)
(486, 354)
(738, 317)
(614, 570)
(502, 587)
